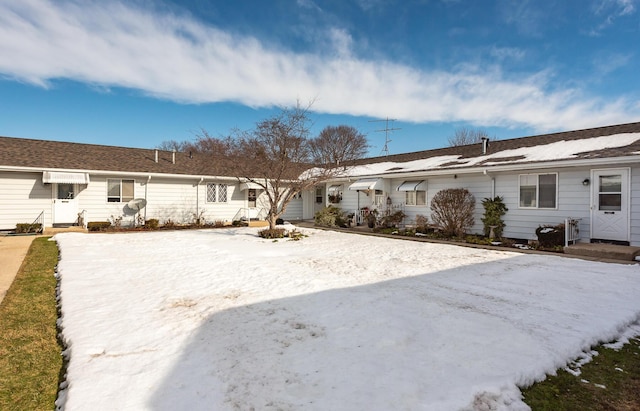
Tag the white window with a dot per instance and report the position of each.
(379, 198)
(538, 190)
(415, 198)
(216, 193)
(119, 191)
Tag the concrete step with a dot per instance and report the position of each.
(604, 251)
(258, 223)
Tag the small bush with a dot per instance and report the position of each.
(28, 228)
(550, 236)
(272, 233)
(452, 211)
(98, 225)
(169, 223)
(330, 217)
(421, 221)
(494, 209)
(218, 224)
(152, 224)
(392, 220)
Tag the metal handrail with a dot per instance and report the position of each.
(38, 220)
(571, 230)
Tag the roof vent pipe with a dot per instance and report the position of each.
(156, 155)
(173, 156)
(485, 144)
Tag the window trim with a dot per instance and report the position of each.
(537, 188)
(415, 198)
(120, 195)
(216, 193)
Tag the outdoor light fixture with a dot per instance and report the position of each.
(585, 182)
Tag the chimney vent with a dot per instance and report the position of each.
(485, 145)
(156, 155)
(173, 156)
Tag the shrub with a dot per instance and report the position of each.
(494, 209)
(98, 225)
(168, 223)
(28, 228)
(330, 217)
(392, 220)
(272, 233)
(152, 223)
(550, 236)
(421, 221)
(452, 210)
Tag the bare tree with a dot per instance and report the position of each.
(277, 156)
(463, 136)
(336, 144)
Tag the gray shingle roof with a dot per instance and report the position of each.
(44, 154)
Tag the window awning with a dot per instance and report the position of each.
(64, 177)
(412, 186)
(250, 186)
(335, 188)
(367, 184)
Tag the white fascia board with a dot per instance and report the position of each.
(112, 173)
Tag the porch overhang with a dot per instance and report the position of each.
(64, 177)
(414, 185)
(367, 184)
(250, 186)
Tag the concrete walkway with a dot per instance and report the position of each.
(13, 249)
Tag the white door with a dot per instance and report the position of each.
(65, 204)
(610, 205)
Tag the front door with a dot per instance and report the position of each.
(65, 205)
(610, 205)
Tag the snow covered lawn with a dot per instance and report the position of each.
(223, 320)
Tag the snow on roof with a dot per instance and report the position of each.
(559, 150)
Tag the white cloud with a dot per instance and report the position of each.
(610, 10)
(176, 58)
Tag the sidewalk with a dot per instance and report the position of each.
(13, 249)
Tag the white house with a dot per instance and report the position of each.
(60, 183)
(590, 175)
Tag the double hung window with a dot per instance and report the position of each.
(538, 190)
(119, 190)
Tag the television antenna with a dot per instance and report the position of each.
(386, 130)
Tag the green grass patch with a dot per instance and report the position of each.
(30, 355)
(611, 381)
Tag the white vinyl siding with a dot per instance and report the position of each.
(23, 197)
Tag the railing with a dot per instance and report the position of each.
(38, 223)
(381, 211)
(571, 230)
(245, 214)
(82, 218)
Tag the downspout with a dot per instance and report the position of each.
(493, 183)
(145, 197)
(198, 197)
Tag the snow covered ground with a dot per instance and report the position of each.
(223, 320)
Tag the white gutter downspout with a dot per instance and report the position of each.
(493, 183)
(145, 196)
(198, 196)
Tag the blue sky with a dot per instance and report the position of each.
(136, 73)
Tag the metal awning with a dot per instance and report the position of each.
(335, 188)
(367, 184)
(412, 186)
(65, 177)
(250, 186)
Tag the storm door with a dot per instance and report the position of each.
(610, 205)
